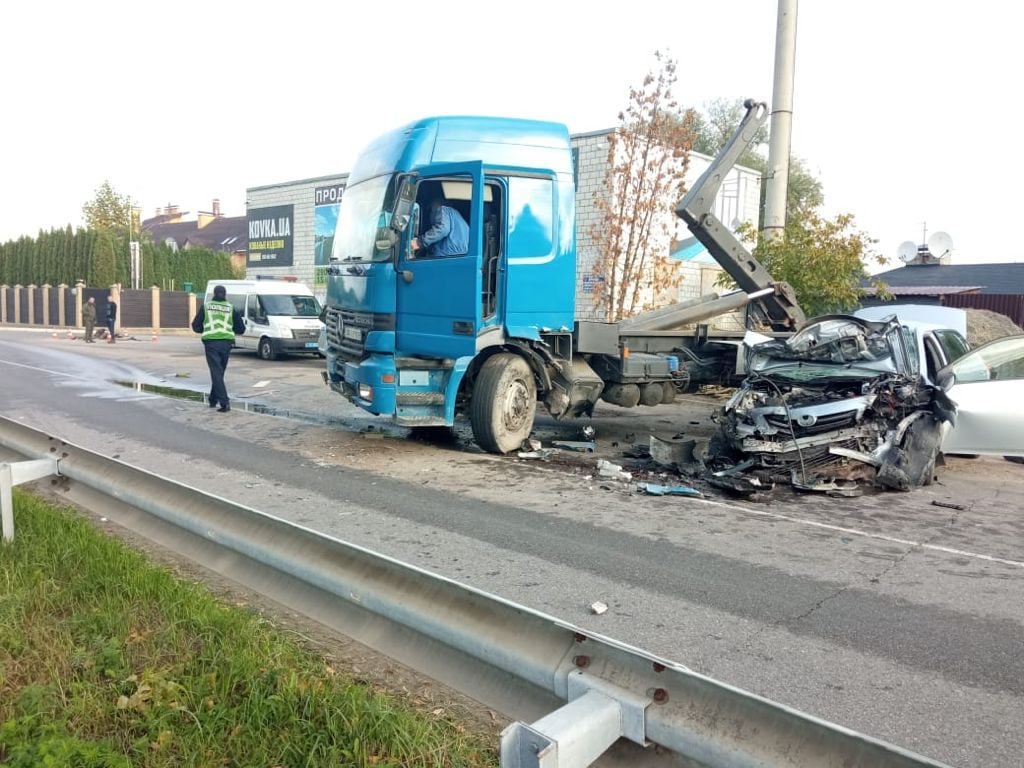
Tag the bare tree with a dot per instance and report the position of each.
(647, 156)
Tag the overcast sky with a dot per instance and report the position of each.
(901, 107)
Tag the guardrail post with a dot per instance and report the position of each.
(16, 473)
(574, 736)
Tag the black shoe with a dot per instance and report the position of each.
(224, 409)
(213, 403)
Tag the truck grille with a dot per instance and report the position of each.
(347, 329)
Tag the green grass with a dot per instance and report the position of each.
(107, 661)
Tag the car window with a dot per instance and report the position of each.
(933, 356)
(1002, 359)
(953, 344)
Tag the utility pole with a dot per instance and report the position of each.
(777, 178)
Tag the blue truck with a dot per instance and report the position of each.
(492, 332)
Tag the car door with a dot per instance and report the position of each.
(987, 384)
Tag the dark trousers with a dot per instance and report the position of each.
(217, 353)
(110, 327)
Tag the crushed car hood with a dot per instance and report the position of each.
(837, 346)
(841, 401)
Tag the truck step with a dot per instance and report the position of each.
(420, 398)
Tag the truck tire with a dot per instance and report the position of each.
(503, 403)
(266, 349)
(651, 393)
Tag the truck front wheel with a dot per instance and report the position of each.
(503, 403)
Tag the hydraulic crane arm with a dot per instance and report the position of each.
(696, 209)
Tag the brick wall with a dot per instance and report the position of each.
(737, 200)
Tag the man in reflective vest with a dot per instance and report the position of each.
(218, 321)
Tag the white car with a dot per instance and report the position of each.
(987, 385)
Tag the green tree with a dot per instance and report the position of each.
(108, 210)
(648, 156)
(104, 270)
(718, 122)
(823, 259)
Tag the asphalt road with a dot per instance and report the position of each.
(885, 613)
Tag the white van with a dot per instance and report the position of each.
(280, 316)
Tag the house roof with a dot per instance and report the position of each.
(175, 230)
(225, 233)
(925, 290)
(989, 278)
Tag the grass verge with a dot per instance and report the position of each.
(108, 661)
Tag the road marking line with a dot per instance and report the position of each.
(865, 534)
(41, 370)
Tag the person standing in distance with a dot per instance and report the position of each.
(89, 319)
(218, 321)
(111, 317)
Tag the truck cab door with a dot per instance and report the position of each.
(438, 298)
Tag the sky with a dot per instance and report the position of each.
(899, 106)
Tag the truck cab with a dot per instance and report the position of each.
(406, 329)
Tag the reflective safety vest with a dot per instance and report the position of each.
(217, 321)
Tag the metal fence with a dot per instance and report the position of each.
(41, 306)
(1005, 304)
(136, 309)
(174, 309)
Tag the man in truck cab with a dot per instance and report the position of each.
(448, 234)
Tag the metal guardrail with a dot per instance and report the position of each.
(608, 689)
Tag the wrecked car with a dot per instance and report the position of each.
(842, 400)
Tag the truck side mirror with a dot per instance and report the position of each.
(401, 214)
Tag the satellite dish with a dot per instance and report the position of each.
(907, 251)
(940, 244)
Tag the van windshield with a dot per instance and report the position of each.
(292, 306)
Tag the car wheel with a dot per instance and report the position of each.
(266, 349)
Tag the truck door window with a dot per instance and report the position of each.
(453, 193)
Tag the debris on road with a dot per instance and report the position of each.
(530, 444)
(949, 505)
(612, 471)
(598, 608)
(580, 446)
(542, 453)
(674, 454)
(653, 489)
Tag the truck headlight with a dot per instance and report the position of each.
(365, 392)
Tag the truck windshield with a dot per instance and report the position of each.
(360, 217)
(292, 306)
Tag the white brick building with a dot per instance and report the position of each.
(737, 201)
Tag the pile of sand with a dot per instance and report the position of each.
(983, 326)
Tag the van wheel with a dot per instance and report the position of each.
(266, 349)
(503, 403)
